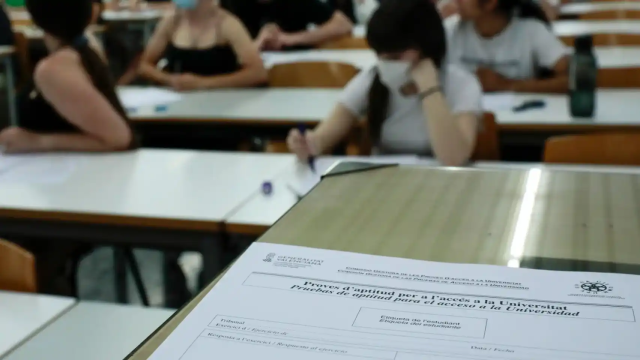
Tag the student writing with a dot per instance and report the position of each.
(206, 47)
(413, 101)
(509, 45)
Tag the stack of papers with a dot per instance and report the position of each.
(498, 102)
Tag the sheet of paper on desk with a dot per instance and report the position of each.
(139, 97)
(498, 101)
(289, 303)
(305, 179)
(36, 168)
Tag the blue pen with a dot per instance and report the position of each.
(312, 160)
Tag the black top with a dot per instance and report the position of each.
(215, 60)
(346, 7)
(37, 115)
(289, 15)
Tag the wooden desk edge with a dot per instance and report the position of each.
(573, 127)
(105, 219)
(221, 121)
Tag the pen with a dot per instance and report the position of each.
(311, 160)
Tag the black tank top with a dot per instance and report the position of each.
(37, 115)
(216, 60)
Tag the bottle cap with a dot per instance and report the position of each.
(584, 42)
(267, 188)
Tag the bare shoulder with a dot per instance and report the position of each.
(57, 66)
(228, 21)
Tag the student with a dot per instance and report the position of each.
(72, 106)
(358, 11)
(413, 102)
(205, 46)
(449, 8)
(284, 24)
(509, 45)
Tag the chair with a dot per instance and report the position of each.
(607, 40)
(487, 143)
(22, 55)
(345, 43)
(597, 149)
(311, 75)
(17, 268)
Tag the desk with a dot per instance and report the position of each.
(149, 198)
(146, 17)
(581, 27)
(263, 107)
(23, 315)
(585, 8)
(93, 331)
(609, 57)
(615, 110)
(573, 220)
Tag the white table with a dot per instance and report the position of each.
(589, 7)
(23, 315)
(581, 27)
(609, 57)
(93, 331)
(247, 106)
(615, 109)
(143, 198)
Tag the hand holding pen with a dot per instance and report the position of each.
(304, 144)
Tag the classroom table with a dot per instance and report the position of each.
(582, 27)
(167, 199)
(95, 331)
(530, 218)
(24, 315)
(147, 18)
(589, 7)
(609, 57)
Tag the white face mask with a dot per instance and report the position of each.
(394, 74)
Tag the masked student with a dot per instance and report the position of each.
(72, 106)
(205, 47)
(290, 24)
(413, 101)
(509, 45)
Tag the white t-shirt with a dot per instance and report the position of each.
(405, 130)
(525, 46)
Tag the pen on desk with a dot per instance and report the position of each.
(311, 160)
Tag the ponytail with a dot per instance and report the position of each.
(95, 66)
(378, 109)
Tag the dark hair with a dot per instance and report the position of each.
(399, 25)
(67, 20)
(523, 9)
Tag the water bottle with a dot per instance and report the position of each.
(583, 78)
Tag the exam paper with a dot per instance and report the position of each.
(304, 179)
(36, 168)
(139, 97)
(290, 303)
(498, 101)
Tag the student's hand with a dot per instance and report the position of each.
(18, 140)
(492, 81)
(304, 146)
(284, 40)
(425, 75)
(268, 37)
(447, 8)
(186, 82)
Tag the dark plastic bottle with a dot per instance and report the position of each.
(583, 78)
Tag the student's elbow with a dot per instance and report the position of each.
(118, 140)
(260, 74)
(342, 24)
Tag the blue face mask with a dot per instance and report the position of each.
(185, 4)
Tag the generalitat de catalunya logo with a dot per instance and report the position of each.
(269, 257)
(594, 287)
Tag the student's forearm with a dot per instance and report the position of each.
(334, 130)
(323, 33)
(77, 142)
(151, 72)
(558, 84)
(242, 78)
(450, 146)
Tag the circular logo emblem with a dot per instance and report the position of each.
(269, 257)
(597, 287)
